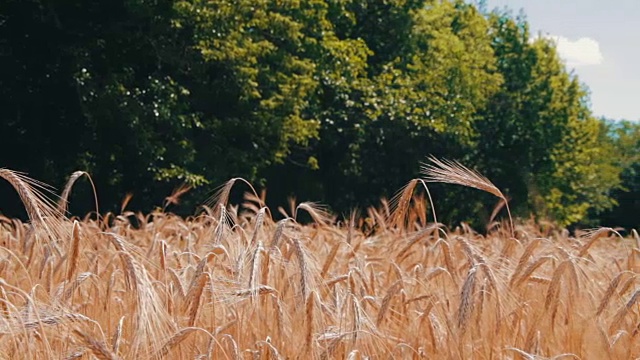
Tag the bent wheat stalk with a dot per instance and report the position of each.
(452, 172)
(399, 204)
(221, 196)
(63, 203)
(41, 209)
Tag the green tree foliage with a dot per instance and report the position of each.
(624, 139)
(92, 86)
(337, 101)
(262, 61)
(420, 95)
(537, 137)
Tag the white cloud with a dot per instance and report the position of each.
(582, 52)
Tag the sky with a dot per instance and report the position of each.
(599, 40)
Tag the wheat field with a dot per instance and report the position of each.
(233, 283)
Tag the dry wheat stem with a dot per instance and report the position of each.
(452, 172)
(150, 282)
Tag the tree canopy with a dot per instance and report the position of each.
(334, 101)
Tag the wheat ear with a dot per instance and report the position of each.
(73, 252)
(386, 302)
(176, 339)
(63, 203)
(400, 204)
(117, 336)
(466, 299)
(302, 262)
(256, 262)
(522, 262)
(221, 196)
(277, 235)
(41, 210)
(259, 223)
(617, 319)
(329, 259)
(452, 172)
(593, 236)
(317, 212)
(309, 321)
(97, 347)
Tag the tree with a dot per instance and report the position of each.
(624, 138)
(540, 139)
(337, 101)
(92, 87)
(419, 96)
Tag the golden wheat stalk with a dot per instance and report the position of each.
(221, 196)
(399, 204)
(467, 299)
(318, 213)
(74, 250)
(63, 203)
(175, 340)
(42, 211)
(452, 172)
(98, 347)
